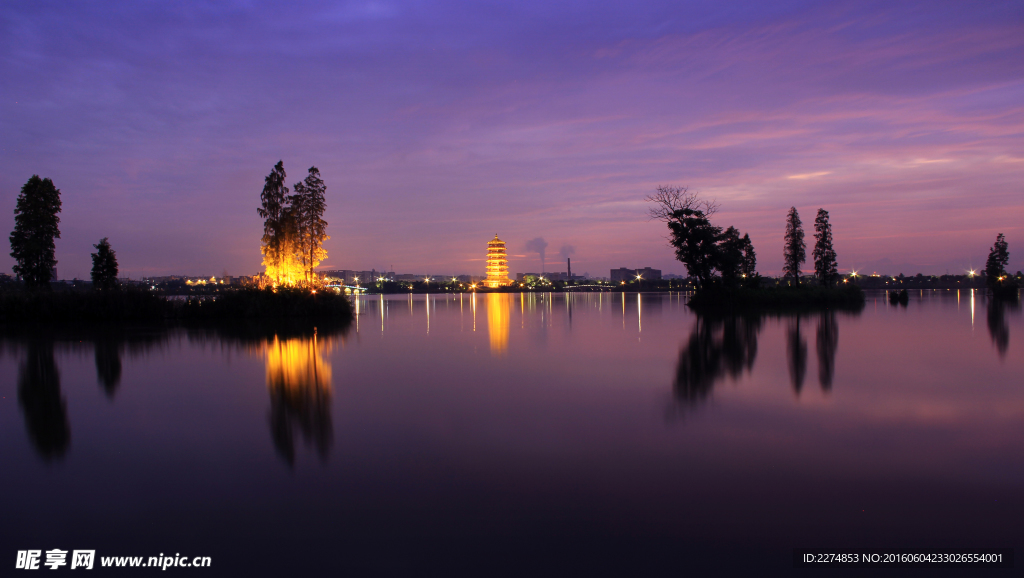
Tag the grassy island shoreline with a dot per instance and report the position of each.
(718, 298)
(137, 305)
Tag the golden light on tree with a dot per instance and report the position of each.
(293, 230)
(497, 264)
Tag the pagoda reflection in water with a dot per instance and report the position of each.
(499, 307)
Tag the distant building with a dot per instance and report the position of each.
(623, 274)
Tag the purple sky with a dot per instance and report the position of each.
(438, 124)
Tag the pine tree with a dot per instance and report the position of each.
(35, 227)
(995, 266)
(104, 266)
(749, 267)
(278, 227)
(794, 253)
(824, 255)
(308, 204)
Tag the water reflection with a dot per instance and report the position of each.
(828, 343)
(997, 326)
(796, 354)
(108, 365)
(720, 347)
(498, 314)
(299, 382)
(39, 395)
(39, 386)
(299, 377)
(717, 347)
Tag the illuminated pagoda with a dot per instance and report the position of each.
(497, 264)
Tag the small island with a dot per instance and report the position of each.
(290, 288)
(725, 264)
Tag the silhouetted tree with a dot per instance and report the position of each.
(690, 231)
(104, 266)
(749, 267)
(696, 242)
(670, 200)
(729, 260)
(794, 253)
(995, 266)
(824, 255)
(308, 205)
(702, 247)
(35, 227)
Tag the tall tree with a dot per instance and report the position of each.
(825, 268)
(795, 252)
(278, 243)
(696, 242)
(308, 204)
(702, 247)
(749, 267)
(995, 266)
(730, 258)
(104, 266)
(35, 227)
(690, 232)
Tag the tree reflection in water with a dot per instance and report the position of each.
(39, 395)
(828, 343)
(717, 347)
(298, 375)
(299, 381)
(108, 365)
(721, 347)
(796, 354)
(997, 327)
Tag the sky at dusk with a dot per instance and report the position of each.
(436, 125)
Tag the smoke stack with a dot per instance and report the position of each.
(569, 263)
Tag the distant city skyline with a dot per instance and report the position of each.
(435, 126)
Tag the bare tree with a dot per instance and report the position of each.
(669, 200)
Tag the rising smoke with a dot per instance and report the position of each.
(566, 250)
(538, 246)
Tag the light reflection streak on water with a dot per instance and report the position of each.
(623, 311)
(639, 325)
(972, 309)
(522, 313)
(498, 322)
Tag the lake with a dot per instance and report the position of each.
(534, 434)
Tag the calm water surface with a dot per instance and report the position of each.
(521, 434)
